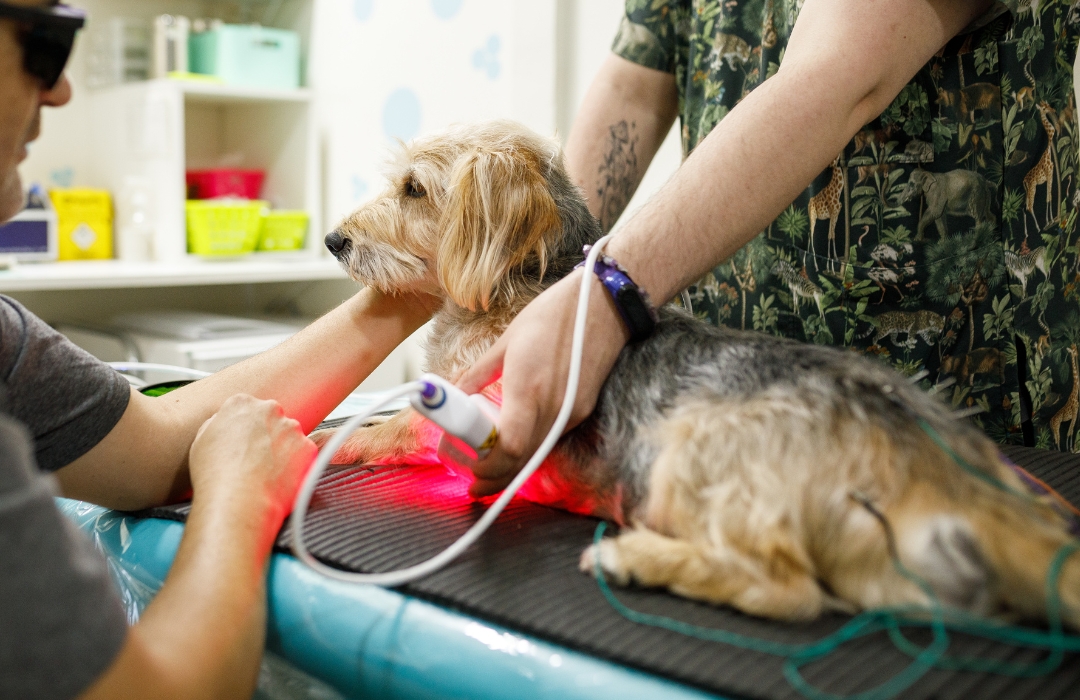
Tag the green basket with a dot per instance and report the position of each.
(283, 230)
(223, 228)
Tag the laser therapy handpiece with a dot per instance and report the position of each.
(471, 419)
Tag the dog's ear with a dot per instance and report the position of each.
(498, 217)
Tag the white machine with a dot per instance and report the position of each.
(200, 341)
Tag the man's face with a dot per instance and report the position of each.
(21, 98)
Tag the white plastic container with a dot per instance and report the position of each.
(119, 51)
(171, 44)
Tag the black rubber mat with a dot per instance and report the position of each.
(523, 575)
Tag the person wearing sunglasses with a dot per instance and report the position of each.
(38, 41)
(226, 440)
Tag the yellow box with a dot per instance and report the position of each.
(283, 230)
(223, 227)
(84, 223)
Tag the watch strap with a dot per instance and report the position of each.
(631, 301)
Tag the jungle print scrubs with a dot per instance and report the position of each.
(943, 238)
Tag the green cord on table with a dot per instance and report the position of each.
(891, 621)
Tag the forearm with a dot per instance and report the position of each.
(203, 634)
(756, 164)
(142, 461)
(312, 372)
(845, 62)
(620, 125)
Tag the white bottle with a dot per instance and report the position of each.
(135, 220)
(171, 44)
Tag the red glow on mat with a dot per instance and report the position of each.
(440, 475)
(435, 488)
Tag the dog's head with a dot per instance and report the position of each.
(481, 215)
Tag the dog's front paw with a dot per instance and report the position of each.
(351, 452)
(321, 437)
(610, 562)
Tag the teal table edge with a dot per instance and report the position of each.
(371, 642)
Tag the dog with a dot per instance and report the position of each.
(743, 469)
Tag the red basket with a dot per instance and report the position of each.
(224, 182)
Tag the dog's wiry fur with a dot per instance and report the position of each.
(731, 458)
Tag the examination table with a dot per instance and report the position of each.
(513, 617)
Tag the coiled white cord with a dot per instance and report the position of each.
(412, 573)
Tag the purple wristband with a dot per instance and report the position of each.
(631, 301)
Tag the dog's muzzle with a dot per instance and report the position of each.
(337, 244)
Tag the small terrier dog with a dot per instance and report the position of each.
(746, 469)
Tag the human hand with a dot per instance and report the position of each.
(252, 454)
(533, 359)
(415, 308)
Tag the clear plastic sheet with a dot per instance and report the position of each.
(136, 585)
(111, 534)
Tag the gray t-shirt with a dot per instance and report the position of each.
(61, 622)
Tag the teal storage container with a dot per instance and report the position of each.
(248, 55)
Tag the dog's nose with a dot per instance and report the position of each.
(336, 243)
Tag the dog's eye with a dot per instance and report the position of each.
(414, 189)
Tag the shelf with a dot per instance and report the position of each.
(116, 274)
(197, 91)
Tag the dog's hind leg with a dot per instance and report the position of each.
(723, 520)
(774, 589)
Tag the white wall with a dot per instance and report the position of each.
(387, 70)
(396, 70)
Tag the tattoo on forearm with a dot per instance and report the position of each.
(618, 174)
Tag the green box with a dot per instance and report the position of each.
(247, 55)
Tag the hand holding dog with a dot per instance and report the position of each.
(533, 359)
(252, 455)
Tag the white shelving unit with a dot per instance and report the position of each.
(157, 129)
(116, 274)
(153, 131)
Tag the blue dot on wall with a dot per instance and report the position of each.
(445, 9)
(362, 9)
(486, 59)
(401, 114)
(359, 188)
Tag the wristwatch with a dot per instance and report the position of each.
(631, 301)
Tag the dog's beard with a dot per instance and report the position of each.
(387, 269)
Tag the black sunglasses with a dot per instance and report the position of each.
(47, 38)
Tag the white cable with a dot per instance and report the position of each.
(139, 366)
(397, 578)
